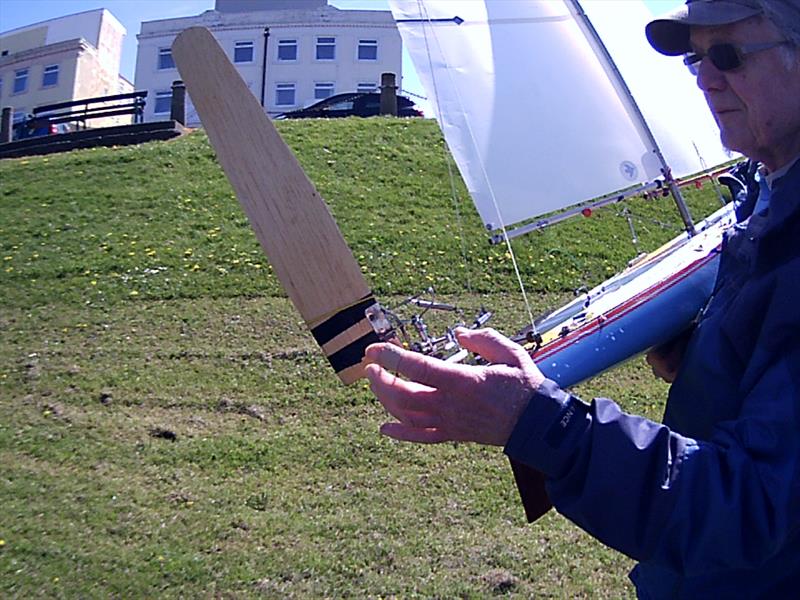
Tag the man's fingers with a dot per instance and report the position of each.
(401, 397)
(415, 366)
(493, 346)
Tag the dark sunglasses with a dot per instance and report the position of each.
(726, 57)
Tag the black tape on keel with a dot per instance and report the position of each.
(342, 321)
(352, 354)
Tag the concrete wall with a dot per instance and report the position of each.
(109, 45)
(20, 40)
(84, 25)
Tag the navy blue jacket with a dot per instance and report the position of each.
(708, 501)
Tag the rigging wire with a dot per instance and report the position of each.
(449, 162)
(714, 182)
(484, 174)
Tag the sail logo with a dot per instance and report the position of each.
(629, 170)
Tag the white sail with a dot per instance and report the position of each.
(665, 91)
(529, 108)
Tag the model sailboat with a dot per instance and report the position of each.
(562, 128)
(548, 105)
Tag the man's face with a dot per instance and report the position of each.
(757, 106)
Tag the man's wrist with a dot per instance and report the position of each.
(544, 434)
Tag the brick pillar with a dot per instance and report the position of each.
(177, 109)
(388, 94)
(6, 124)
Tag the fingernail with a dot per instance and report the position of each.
(372, 371)
(372, 352)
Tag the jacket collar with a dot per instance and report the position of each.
(784, 205)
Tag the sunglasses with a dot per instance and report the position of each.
(726, 57)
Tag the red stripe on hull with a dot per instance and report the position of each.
(620, 311)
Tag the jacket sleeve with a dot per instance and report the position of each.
(693, 506)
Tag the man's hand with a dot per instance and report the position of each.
(666, 359)
(443, 401)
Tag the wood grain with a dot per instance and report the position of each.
(291, 221)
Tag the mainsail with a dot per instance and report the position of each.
(530, 107)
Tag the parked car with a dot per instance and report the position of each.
(29, 129)
(358, 104)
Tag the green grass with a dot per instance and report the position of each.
(134, 300)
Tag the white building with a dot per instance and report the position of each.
(291, 53)
(64, 59)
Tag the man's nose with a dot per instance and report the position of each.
(709, 77)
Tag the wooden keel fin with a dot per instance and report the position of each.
(291, 221)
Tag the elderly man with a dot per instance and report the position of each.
(708, 502)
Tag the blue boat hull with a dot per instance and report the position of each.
(628, 315)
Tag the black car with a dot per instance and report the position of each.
(358, 104)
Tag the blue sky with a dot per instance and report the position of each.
(19, 13)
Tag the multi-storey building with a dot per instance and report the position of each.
(64, 59)
(291, 53)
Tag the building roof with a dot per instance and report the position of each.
(259, 5)
(324, 15)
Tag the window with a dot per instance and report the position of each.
(20, 81)
(366, 86)
(50, 77)
(323, 90)
(287, 49)
(284, 94)
(243, 52)
(326, 48)
(163, 103)
(367, 49)
(165, 59)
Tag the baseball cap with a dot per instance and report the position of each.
(669, 34)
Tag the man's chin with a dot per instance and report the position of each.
(732, 144)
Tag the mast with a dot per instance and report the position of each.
(635, 112)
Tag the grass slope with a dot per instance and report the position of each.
(168, 428)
